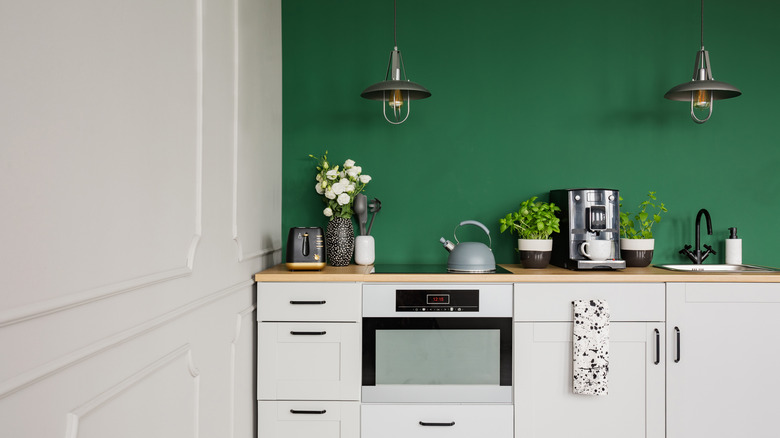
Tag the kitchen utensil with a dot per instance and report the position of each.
(305, 249)
(469, 257)
(360, 207)
(375, 206)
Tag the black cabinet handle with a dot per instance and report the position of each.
(423, 423)
(295, 411)
(677, 341)
(307, 333)
(308, 302)
(657, 347)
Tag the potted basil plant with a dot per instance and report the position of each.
(534, 223)
(636, 231)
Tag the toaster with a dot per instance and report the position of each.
(305, 249)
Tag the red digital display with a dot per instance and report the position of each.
(438, 299)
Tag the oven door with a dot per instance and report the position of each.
(437, 360)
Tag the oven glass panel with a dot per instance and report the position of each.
(438, 357)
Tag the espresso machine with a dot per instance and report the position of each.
(586, 215)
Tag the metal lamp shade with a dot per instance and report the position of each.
(719, 90)
(379, 90)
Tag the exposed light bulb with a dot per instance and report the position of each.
(702, 99)
(396, 100)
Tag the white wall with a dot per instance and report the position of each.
(140, 190)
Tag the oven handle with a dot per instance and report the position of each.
(308, 302)
(423, 423)
(294, 333)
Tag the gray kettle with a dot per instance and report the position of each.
(469, 257)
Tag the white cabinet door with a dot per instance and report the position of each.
(436, 421)
(308, 361)
(279, 419)
(546, 407)
(724, 381)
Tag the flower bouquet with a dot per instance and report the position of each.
(338, 187)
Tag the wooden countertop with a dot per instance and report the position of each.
(551, 274)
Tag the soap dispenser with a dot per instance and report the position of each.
(733, 248)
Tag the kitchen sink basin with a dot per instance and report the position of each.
(719, 268)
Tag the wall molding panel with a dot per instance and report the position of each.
(37, 374)
(141, 187)
(256, 145)
(182, 354)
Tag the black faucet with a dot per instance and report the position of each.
(697, 256)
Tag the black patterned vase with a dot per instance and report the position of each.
(340, 241)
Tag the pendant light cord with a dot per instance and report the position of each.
(702, 23)
(395, 21)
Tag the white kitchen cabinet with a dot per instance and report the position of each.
(308, 361)
(723, 367)
(545, 405)
(295, 419)
(436, 421)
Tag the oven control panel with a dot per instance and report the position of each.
(439, 300)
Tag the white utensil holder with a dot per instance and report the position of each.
(364, 250)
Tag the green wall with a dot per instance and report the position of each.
(532, 96)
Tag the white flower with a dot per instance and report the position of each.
(343, 199)
(348, 164)
(365, 179)
(332, 174)
(350, 188)
(354, 172)
(338, 188)
(319, 177)
(330, 195)
(319, 189)
(327, 212)
(342, 174)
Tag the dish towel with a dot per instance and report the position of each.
(590, 347)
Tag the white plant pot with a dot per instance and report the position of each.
(637, 253)
(535, 253)
(534, 244)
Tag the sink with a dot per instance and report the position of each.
(718, 268)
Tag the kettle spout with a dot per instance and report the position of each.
(449, 246)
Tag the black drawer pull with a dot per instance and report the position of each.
(295, 411)
(307, 333)
(308, 302)
(657, 347)
(423, 423)
(677, 335)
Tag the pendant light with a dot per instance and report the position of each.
(702, 91)
(396, 92)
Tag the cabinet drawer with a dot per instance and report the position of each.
(450, 421)
(308, 361)
(552, 301)
(308, 301)
(308, 419)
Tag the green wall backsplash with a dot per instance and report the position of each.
(529, 97)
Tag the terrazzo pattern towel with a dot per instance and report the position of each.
(590, 347)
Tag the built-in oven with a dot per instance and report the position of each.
(437, 343)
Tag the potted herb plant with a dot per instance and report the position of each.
(534, 223)
(636, 231)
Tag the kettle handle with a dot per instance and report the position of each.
(477, 223)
